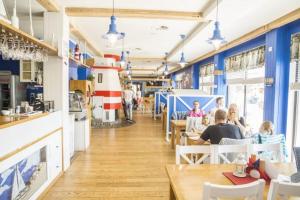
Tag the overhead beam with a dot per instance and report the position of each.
(82, 37)
(195, 31)
(146, 59)
(49, 5)
(133, 13)
(290, 17)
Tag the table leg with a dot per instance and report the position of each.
(172, 195)
(173, 132)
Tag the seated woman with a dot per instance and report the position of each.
(196, 112)
(266, 136)
(234, 118)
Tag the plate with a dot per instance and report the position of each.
(239, 175)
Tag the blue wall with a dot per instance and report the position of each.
(277, 59)
(10, 65)
(78, 72)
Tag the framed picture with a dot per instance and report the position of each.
(100, 76)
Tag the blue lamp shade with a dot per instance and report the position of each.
(217, 39)
(112, 35)
(122, 61)
(182, 61)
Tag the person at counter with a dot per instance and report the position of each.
(220, 130)
(235, 119)
(196, 112)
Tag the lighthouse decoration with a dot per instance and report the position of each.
(107, 96)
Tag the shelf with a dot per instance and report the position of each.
(79, 63)
(9, 28)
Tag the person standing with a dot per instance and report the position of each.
(128, 96)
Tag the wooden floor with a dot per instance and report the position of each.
(124, 163)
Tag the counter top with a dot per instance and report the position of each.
(8, 121)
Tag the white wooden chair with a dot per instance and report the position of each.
(220, 152)
(184, 151)
(271, 152)
(253, 191)
(282, 191)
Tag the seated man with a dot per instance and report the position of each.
(220, 130)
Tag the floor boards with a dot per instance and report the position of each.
(124, 163)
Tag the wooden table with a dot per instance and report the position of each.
(176, 127)
(186, 181)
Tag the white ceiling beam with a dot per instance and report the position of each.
(133, 13)
(81, 36)
(197, 29)
(49, 5)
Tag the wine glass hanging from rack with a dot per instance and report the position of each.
(16, 47)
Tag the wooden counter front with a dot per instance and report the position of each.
(7, 121)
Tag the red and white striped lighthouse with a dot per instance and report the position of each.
(107, 97)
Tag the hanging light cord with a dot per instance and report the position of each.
(113, 7)
(217, 14)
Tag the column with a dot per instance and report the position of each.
(220, 80)
(56, 72)
(277, 67)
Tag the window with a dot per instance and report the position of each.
(206, 78)
(293, 122)
(100, 76)
(245, 74)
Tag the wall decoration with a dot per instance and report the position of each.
(295, 47)
(24, 178)
(254, 58)
(184, 79)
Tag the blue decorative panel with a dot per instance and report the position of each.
(10, 65)
(184, 103)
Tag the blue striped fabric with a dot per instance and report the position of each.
(272, 139)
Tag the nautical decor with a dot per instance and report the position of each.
(182, 61)
(217, 39)
(112, 34)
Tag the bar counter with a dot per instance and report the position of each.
(8, 121)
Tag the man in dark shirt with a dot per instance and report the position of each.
(221, 130)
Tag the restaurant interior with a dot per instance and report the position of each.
(149, 100)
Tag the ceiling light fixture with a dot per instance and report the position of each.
(113, 35)
(182, 61)
(166, 71)
(217, 39)
(123, 60)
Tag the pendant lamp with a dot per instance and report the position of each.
(123, 60)
(112, 34)
(217, 38)
(182, 61)
(14, 17)
(166, 71)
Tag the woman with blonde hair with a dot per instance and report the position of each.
(234, 118)
(266, 128)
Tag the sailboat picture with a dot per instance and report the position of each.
(18, 185)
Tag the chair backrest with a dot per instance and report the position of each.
(184, 151)
(271, 152)
(193, 123)
(283, 190)
(222, 152)
(253, 191)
